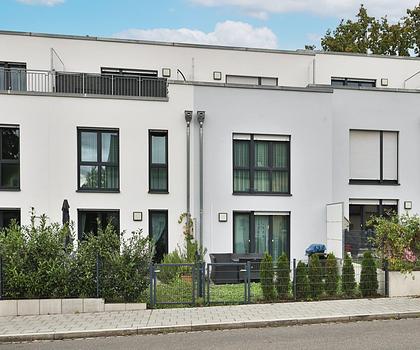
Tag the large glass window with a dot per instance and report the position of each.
(158, 232)
(351, 82)
(260, 232)
(9, 158)
(98, 160)
(12, 76)
(7, 216)
(373, 156)
(261, 164)
(91, 220)
(158, 161)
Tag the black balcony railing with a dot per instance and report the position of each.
(82, 83)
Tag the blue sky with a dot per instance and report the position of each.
(284, 24)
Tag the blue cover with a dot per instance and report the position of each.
(315, 248)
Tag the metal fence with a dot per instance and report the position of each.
(82, 83)
(242, 283)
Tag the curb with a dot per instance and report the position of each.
(15, 338)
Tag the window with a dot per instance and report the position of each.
(158, 232)
(353, 82)
(251, 80)
(90, 221)
(9, 158)
(260, 232)
(7, 216)
(98, 153)
(158, 161)
(12, 76)
(373, 157)
(261, 164)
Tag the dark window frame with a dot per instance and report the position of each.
(253, 168)
(166, 233)
(99, 163)
(3, 210)
(9, 161)
(251, 215)
(381, 180)
(80, 234)
(345, 82)
(156, 132)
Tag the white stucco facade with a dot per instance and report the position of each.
(316, 118)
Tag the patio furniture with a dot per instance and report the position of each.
(228, 270)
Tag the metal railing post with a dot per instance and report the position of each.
(294, 280)
(386, 278)
(208, 284)
(248, 281)
(193, 285)
(151, 273)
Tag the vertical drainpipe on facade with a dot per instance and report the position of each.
(200, 118)
(188, 118)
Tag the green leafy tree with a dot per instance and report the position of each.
(302, 281)
(267, 277)
(368, 276)
(412, 22)
(348, 278)
(283, 277)
(331, 275)
(316, 283)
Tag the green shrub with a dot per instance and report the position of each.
(368, 277)
(283, 277)
(168, 274)
(302, 281)
(267, 277)
(348, 279)
(315, 273)
(331, 275)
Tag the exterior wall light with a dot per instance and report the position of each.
(384, 81)
(408, 205)
(217, 75)
(223, 217)
(166, 72)
(137, 216)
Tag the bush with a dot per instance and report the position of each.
(302, 281)
(168, 274)
(348, 279)
(39, 264)
(283, 277)
(316, 283)
(368, 277)
(331, 275)
(267, 277)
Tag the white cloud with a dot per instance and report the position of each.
(228, 33)
(338, 8)
(41, 2)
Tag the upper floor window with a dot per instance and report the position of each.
(352, 82)
(251, 80)
(12, 76)
(9, 157)
(373, 156)
(261, 164)
(98, 154)
(158, 161)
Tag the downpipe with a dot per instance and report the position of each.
(201, 115)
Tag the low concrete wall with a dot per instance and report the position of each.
(62, 306)
(403, 285)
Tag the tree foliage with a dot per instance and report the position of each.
(367, 34)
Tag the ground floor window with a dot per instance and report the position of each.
(357, 239)
(158, 232)
(90, 221)
(7, 216)
(260, 232)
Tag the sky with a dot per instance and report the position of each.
(280, 24)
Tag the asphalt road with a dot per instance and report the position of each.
(392, 335)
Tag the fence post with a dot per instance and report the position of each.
(151, 273)
(1, 278)
(248, 280)
(97, 275)
(386, 278)
(294, 279)
(208, 284)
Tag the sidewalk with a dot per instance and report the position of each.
(50, 327)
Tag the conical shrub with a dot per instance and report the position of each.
(331, 275)
(368, 277)
(267, 277)
(283, 277)
(302, 281)
(348, 278)
(316, 283)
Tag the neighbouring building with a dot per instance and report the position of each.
(268, 149)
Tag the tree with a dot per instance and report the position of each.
(368, 276)
(283, 277)
(267, 277)
(378, 36)
(316, 283)
(331, 275)
(348, 279)
(302, 281)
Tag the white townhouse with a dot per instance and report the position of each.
(268, 150)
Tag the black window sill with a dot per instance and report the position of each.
(8, 189)
(262, 194)
(374, 182)
(97, 191)
(158, 192)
